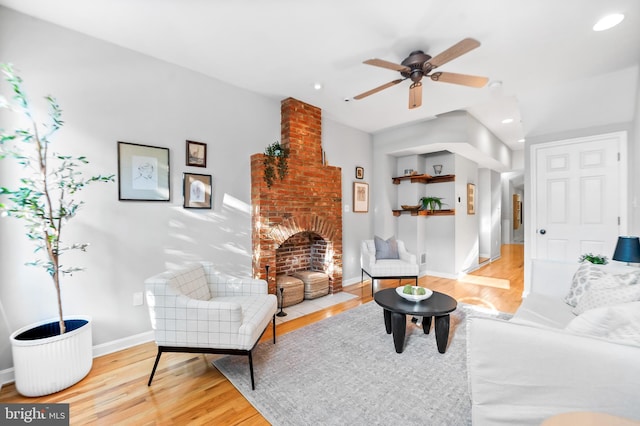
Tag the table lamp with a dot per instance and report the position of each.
(627, 250)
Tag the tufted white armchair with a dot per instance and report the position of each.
(197, 309)
(405, 266)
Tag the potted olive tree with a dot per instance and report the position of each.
(51, 355)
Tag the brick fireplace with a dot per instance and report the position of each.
(297, 223)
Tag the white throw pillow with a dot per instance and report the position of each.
(588, 274)
(607, 293)
(620, 323)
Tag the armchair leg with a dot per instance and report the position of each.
(253, 385)
(155, 365)
(274, 329)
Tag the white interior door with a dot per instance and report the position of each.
(579, 203)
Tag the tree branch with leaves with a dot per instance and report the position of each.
(45, 196)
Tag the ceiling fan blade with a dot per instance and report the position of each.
(463, 79)
(388, 65)
(453, 52)
(378, 89)
(415, 95)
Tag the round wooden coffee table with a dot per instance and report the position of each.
(396, 309)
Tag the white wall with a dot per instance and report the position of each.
(112, 94)
(634, 175)
(484, 212)
(466, 225)
(349, 148)
(496, 214)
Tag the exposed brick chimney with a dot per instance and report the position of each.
(308, 201)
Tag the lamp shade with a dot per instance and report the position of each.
(627, 250)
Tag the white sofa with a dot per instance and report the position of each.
(200, 310)
(405, 266)
(547, 360)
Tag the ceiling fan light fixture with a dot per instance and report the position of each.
(608, 22)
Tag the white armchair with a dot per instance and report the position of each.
(198, 310)
(404, 266)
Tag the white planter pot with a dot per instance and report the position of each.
(48, 365)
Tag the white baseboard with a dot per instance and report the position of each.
(124, 343)
(7, 375)
(352, 281)
(441, 275)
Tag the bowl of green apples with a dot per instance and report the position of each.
(414, 293)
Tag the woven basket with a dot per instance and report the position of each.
(316, 284)
(293, 290)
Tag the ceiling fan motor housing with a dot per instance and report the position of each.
(415, 61)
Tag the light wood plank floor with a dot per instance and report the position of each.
(188, 390)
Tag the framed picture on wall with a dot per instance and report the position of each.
(143, 172)
(360, 197)
(196, 154)
(471, 198)
(197, 191)
(359, 172)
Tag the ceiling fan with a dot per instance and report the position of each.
(418, 64)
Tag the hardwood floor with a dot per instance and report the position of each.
(188, 390)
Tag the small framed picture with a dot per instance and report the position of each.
(197, 191)
(143, 172)
(359, 172)
(471, 198)
(196, 154)
(360, 197)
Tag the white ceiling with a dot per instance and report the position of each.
(556, 73)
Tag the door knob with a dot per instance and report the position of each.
(543, 231)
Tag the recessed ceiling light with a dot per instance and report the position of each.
(495, 84)
(608, 21)
(317, 86)
(521, 140)
(507, 121)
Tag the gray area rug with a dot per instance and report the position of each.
(344, 371)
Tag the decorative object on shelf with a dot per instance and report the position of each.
(143, 172)
(430, 203)
(411, 208)
(360, 197)
(197, 191)
(359, 172)
(275, 157)
(627, 250)
(596, 259)
(471, 198)
(54, 354)
(196, 154)
(437, 168)
(408, 172)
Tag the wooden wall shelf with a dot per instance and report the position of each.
(443, 212)
(424, 178)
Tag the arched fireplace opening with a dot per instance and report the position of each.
(304, 251)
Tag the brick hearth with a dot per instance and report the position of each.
(306, 205)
